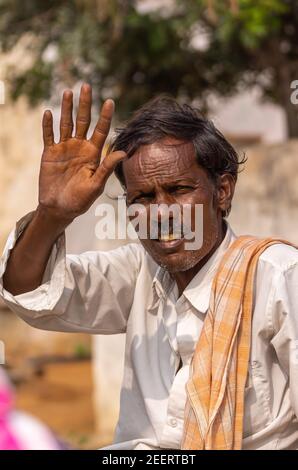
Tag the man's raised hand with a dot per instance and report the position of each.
(71, 175)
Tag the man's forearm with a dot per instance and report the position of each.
(28, 259)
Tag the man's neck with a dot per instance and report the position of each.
(183, 278)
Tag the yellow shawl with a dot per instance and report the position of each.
(215, 390)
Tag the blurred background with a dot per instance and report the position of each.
(237, 60)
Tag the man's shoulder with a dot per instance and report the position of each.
(279, 256)
(276, 283)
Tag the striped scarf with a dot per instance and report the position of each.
(213, 417)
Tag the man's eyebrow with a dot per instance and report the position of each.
(174, 182)
(180, 181)
(140, 192)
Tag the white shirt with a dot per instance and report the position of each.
(124, 290)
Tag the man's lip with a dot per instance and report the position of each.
(169, 245)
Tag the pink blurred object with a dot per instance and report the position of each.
(18, 430)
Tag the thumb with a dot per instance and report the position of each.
(107, 166)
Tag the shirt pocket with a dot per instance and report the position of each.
(257, 414)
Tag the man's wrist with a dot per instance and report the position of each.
(48, 219)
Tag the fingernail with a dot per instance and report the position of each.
(111, 103)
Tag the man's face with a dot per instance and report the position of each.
(166, 172)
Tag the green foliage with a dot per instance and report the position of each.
(132, 56)
(254, 21)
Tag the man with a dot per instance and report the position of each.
(158, 292)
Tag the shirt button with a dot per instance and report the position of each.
(173, 422)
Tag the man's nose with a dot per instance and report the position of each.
(163, 202)
(164, 198)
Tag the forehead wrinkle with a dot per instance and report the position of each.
(182, 154)
(151, 163)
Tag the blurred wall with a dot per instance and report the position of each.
(245, 114)
(266, 198)
(20, 150)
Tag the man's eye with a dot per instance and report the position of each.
(141, 198)
(182, 189)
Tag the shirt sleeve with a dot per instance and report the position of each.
(92, 292)
(285, 325)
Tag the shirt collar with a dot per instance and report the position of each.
(199, 289)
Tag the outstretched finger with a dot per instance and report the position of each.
(103, 124)
(47, 128)
(84, 112)
(107, 166)
(66, 121)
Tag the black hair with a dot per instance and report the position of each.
(164, 116)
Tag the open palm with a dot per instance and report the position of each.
(71, 175)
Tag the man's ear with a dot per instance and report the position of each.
(225, 191)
